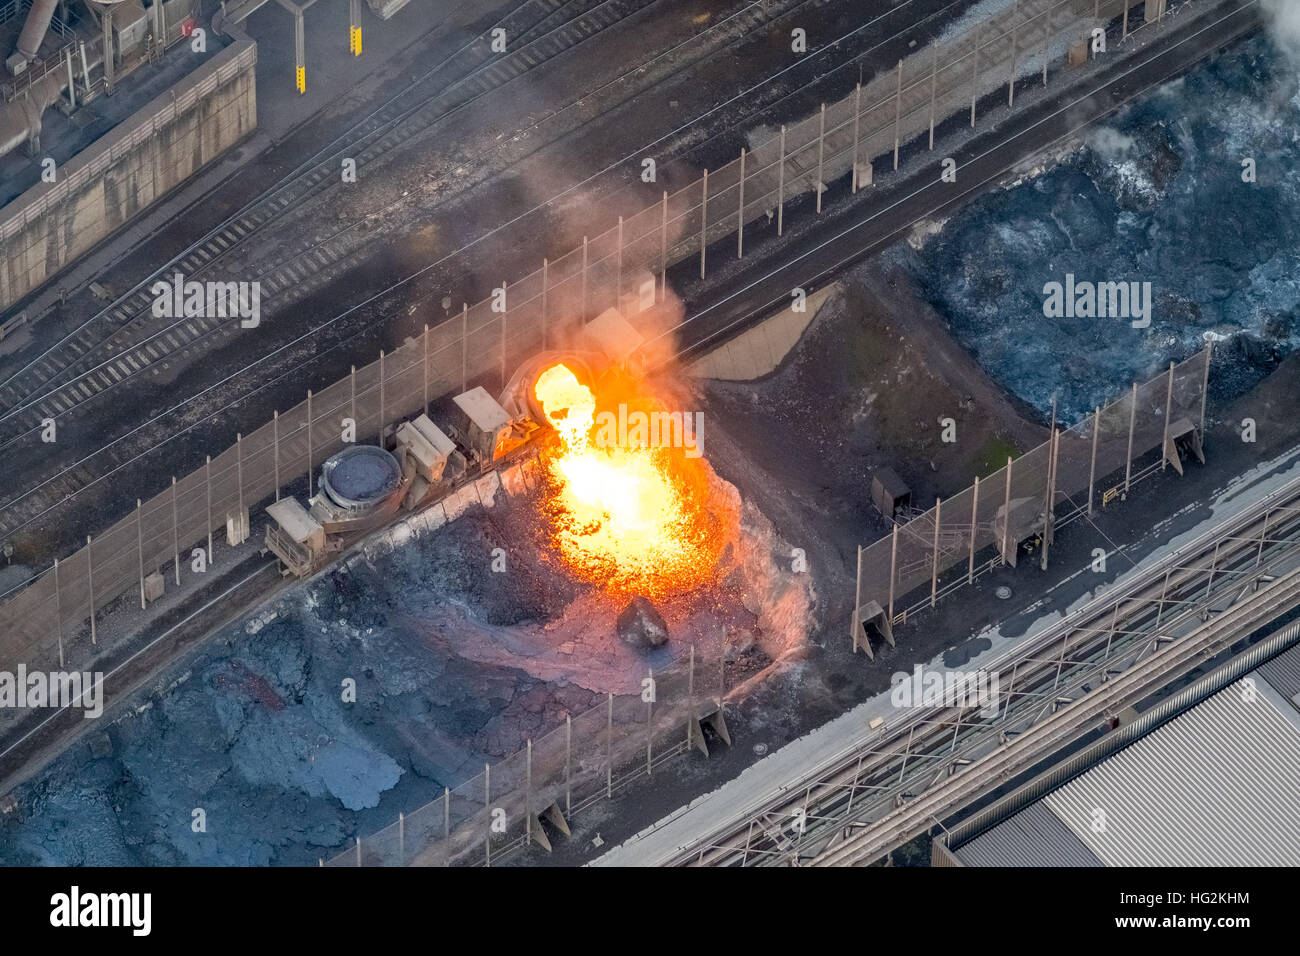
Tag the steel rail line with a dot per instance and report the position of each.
(307, 260)
(73, 479)
(77, 477)
(377, 133)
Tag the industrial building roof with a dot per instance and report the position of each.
(1219, 785)
(1033, 837)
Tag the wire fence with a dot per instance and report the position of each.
(588, 759)
(1032, 496)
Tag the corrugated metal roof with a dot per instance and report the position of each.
(1033, 837)
(1283, 672)
(1218, 785)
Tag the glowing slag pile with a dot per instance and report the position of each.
(632, 519)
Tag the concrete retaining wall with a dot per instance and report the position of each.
(127, 170)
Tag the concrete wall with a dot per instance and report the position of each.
(127, 170)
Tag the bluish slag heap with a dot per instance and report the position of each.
(1157, 195)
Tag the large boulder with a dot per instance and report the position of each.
(641, 625)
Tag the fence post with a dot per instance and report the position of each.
(893, 565)
(898, 112)
(1132, 422)
(1011, 84)
(663, 248)
(464, 346)
(1125, 36)
(1205, 385)
(275, 455)
(854, 623)
(546, 271)
(310, 457)
(934, 554)
(446, 823)
(857, 113)
(934, 79)
(1047, 40)
(690, 698)
(722, 672)
(1050, 505)
(239, 477)
(358, 851)
(704, 221)
(740, 213)
(568, 765)
(1092, 467)
(649, 722)
(584, 279)
(207, 481)
(58, 611)
(176, 535)
(974, 512)
(609, 749)
(90, 586)
(383, 396)
(505, 312)
(139, 547)
(1006, 514)
(780, 188)
(821, 155)
(1169, 401)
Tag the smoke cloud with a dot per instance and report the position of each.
(1284, 25)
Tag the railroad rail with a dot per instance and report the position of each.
(48, 385)
(896, 781)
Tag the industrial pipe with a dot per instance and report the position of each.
(34, 27)
(20, 119)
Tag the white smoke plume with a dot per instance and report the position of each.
(1284, 25)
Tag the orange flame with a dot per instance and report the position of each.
(633, 519)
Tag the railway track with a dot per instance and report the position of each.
(885, 789)
(115, 345)
(105, 349)
(74, 390)
(25, 507)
